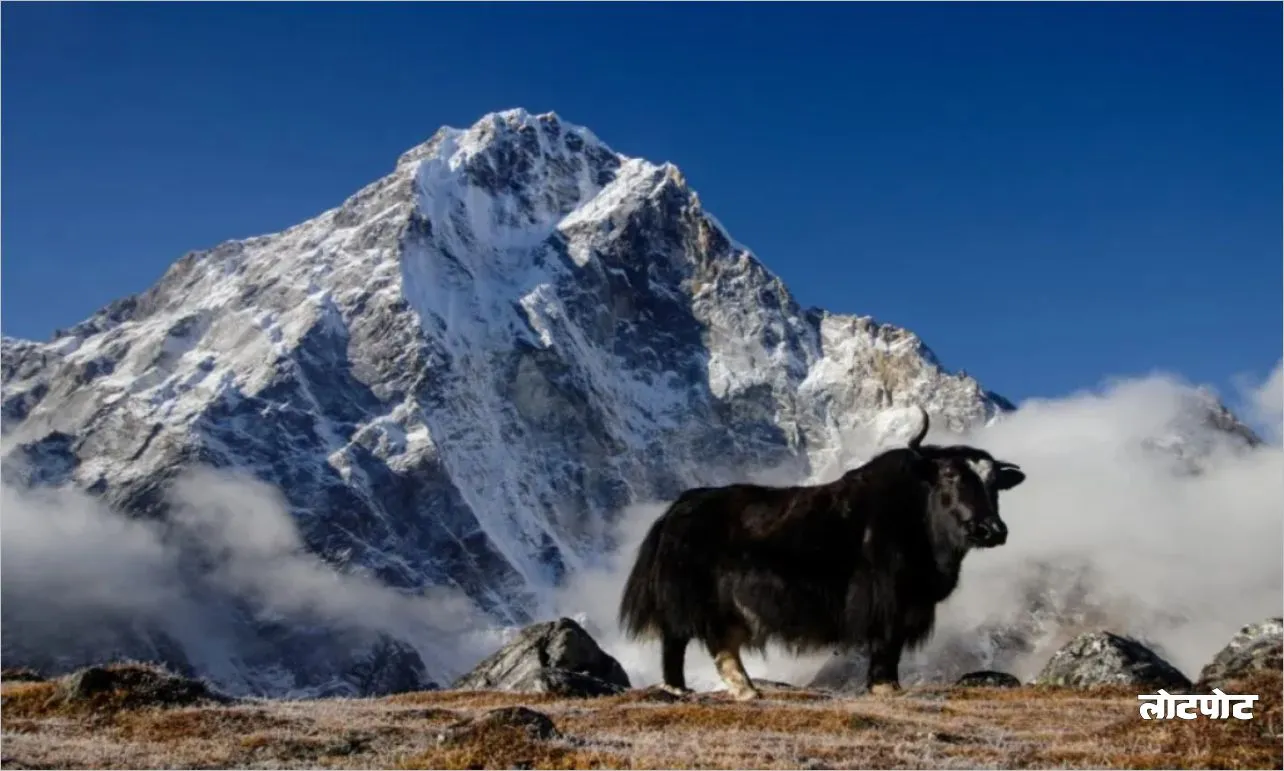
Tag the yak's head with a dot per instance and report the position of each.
(963, 490)
(964, 493)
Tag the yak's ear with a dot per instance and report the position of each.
(1009, 476)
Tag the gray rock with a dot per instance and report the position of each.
(390, 666)
(550, 657)
(535, 725)
(775, 685)
(137, 685)
(563, 682)
(842, 673)
(1105, 658)
(1254, 648)
(988, 678)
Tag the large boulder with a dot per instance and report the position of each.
(1105, 658)
(128, 685)
(550, 657)
(1254, 648)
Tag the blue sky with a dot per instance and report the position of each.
(1049, 194)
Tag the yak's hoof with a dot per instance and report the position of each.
(884, 689)
(746, 694)
(674, 690)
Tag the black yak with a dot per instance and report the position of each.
(862, 560)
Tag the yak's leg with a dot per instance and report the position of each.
(726, 656)
(884, 665)
(673, 651)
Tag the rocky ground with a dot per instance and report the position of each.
(553, 699)
(955, 727)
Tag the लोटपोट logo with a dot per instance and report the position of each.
(1216, 705)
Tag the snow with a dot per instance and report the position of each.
(636, 180)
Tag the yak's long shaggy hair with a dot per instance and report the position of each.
(861, 560)
(801, 553)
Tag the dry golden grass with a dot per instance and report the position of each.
(921, 728)
(507, 746)
(1220, 743)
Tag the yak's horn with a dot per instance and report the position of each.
(917, 439)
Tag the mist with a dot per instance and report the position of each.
(78, 578)
(1104, 534)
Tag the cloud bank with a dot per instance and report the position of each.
(1105, 533)
(86, 583)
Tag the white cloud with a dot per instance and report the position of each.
(1179, 559)
(1183, 560)
(1264, 402)
(71, 568)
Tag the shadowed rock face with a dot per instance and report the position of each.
(1102, 658)
(1256, 647)
(391, 666)
(552, 657)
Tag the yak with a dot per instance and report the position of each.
(860, 561)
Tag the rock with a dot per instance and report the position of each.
(777, 689)
(551, 657)
(535, 725)
(391, 666)
(775, 685)
(842, 673)
(655, 694)
(564, 682)
(21, 675)
(1256, 647)
(1104, 658)
(135, 685)
(988, 678)
(350, 743)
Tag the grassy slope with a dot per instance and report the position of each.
(922, 728)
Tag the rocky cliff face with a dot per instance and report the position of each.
(461, 375)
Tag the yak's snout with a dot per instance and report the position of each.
(988, 533)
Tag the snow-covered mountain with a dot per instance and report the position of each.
(461, 375)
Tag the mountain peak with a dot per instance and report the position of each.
(509, 178)
(465, 372)
(514, 129)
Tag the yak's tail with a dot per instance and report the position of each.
(671, 590)
(640, 611)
